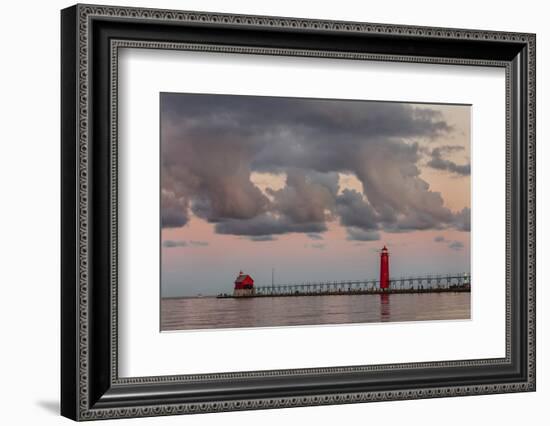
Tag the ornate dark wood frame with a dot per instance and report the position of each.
(91, 37)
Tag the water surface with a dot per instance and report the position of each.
(209, 312)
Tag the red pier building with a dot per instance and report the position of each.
(244, 285)
(384, 268)
(244, 281)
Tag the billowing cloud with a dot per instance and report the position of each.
(438, 162)
(354, 211)
(211, 144)
(307, 197)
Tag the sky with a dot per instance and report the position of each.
(309, 188)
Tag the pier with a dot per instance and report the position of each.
(422, 284)
(431, 283)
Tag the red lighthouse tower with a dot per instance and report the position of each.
(384, 268)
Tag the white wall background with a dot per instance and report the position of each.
(29, 214)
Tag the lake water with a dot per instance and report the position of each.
(209, 312)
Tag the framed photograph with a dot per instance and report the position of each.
(288, 182)
(263, 212)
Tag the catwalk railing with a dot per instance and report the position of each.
(416, 284)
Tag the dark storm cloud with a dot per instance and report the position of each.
(438, 162)
(211, 144)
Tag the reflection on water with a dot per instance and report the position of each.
(384, 307)
(207, 312)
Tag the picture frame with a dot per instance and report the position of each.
(91, 387)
